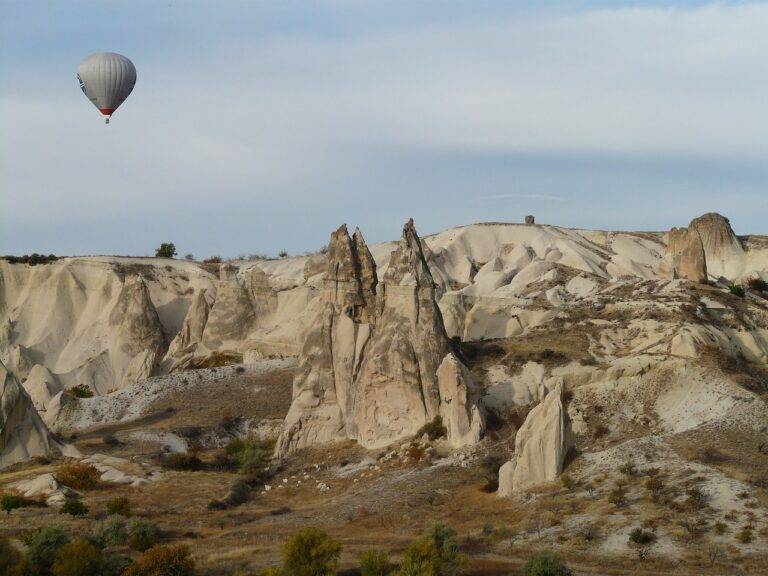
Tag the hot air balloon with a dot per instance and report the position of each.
(106, 79)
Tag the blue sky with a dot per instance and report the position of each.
(256, 127)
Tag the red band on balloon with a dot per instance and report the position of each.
(106, 111)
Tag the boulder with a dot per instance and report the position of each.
(540, 447)
(23, 434)
(47, 487)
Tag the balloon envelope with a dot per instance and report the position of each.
(106, 79)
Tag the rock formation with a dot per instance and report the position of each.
(459, 403)
(263, 297)
(540, 447)
(368, 369)
(41, 386)
(686, 258)
(137, 332)
(191, 332)
(23, 434)
(232, 314)
(397, 390)
(724, 254)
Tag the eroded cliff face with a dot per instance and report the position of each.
(23, 434)
(686, 258)
(368, 369)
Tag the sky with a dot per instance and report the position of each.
(256, 127)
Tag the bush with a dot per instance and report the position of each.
(435, 553)
(10, 501)
(42, 548)
(111, 532)
(10, 558)
(618, 496)
(189, 256)
(31, 259)
(253, 459)
(283, 254)
(433, 430)
(74, 507)
(163, 561)
(745, 535)
(142, 534)
(182, 461)
(119, 505)
(546, 564)
(374, 563)
(758, 285)
(213, 260)
(78, 475)
(78, 558)
(166, 250)
(311, 552)
(567, 481)
(641, 541)
(737, 290)
(81, 391)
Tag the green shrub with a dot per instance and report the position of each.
(374, 563)
(737, 290)
(182, 461)
(81, 391)
(166, 250)
(10, 558)
(10, 501)
(163, 561)
(641, 541)
(42, 547)
(433, 429)
(74, 507)
(758, 285)
(253, 459)
(119, 505)
(745, 535)
(111, 532)
(78, 475)
(435, 553)
(546, 564)
(78, 558)
(311, 552)
(142, 534)
(618, 496)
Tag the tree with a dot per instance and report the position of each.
(311, 552)
(166, 250)
(78, 558)
(546, 564)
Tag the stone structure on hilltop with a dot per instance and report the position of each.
(23, 434)
(368, 369)
(540, 446)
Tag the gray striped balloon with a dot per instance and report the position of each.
(106, 79)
